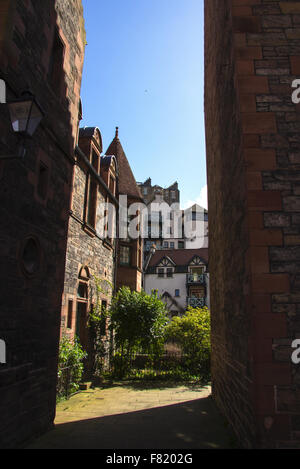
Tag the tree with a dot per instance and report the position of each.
(138, 321)
(192, 333)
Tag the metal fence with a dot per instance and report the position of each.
(65, 385)
(166, 362)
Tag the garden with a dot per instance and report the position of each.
(136, 340)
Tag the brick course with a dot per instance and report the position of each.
(252, 57)
(30, 304)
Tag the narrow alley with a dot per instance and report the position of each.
(138, 416)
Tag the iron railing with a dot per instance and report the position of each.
(195, 302)
(196, 278)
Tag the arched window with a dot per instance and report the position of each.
(82, 305)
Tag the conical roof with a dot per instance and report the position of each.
(126, 182)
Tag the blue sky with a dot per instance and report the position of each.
(143, 72)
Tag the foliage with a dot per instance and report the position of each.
(138, 321)
(70, 366)
(192, 333)
(98, 317)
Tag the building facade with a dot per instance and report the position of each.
(170, 227)
(91, 252)
(150, 193)
(129, 248)
(181, 278)
(39, 44)
(98, 261)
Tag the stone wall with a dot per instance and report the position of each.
(35, 199)
(85, 250)
(252, 130)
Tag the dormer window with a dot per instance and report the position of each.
(95, 161)
(161, 272)
(112, 185)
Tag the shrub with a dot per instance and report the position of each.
(98, 339)
(70, 366)
(138, 321)
(192, 333)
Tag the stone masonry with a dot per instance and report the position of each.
(252, 50)
(87, 250)
(41, 48)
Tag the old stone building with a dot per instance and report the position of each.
(252, 62)
(129, 248)
(41, 49)
(171, 194)
(91, 252)
(172, 227)
(252, 57)
(95, 255)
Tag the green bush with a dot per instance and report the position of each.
(97, 322)
(70, 366)
(138, 321)
(192, 333)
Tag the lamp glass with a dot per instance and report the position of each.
(25, 116)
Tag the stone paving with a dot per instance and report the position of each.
(138, 415)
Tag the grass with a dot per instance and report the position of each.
(178, 375)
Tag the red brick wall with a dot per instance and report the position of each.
(252, 129)
(30, 304)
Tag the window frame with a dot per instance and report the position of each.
(170, 272)
(160, 272)
(123, 247)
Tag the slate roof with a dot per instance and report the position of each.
(180, 257)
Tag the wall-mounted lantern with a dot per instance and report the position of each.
(25, 114)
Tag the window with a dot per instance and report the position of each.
(197, 270)
(56, 62)
(125, 254)
(112, 185)
(95, 161)
(161, 272)
(82, 291)
(180, 244)
(42, 181)
(166, 244)
(177, 292)
(172, 245)
(82, 307)
(31, 256)
(92, 202)
(103, 317)
(70, 314)
(169, 272)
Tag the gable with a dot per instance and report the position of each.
(166, 262)
(197, 260)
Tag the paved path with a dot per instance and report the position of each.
(138, 416)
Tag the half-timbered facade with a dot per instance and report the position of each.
(180, 277)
